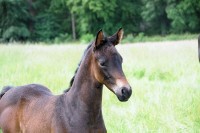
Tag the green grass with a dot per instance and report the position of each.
(165, 78)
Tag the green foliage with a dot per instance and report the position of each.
(14, 18)
(62, 38)
(16, 33)
(45, 26)
(128, 38)
(34, 20)
(87, 38)
(47, 20)
(155, 17)
(184, 15)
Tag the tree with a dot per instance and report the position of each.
(184, 15)
(47, 20)
(14, 16)
(92, 16)
(154, 16)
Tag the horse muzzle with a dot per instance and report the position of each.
(123, 93)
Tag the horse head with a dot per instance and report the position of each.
(107, 65)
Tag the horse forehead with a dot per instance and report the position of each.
(110, 50)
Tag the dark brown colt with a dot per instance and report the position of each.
(34, 109)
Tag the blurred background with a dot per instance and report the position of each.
(164, 75)
(56, 21)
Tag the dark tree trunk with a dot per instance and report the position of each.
(73, 26)
(32, 13)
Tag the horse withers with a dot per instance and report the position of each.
(34, 109)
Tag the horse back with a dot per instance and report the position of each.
(13, 95)
(21, 106)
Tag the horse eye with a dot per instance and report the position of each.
(102, 63)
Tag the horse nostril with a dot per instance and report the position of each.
(124, 92)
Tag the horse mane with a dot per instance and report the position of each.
(72, 79)
(4, 90)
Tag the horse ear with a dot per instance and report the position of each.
(99, 38)
(117, 37)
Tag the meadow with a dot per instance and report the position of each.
(165, 77)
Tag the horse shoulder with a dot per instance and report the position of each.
(38, 110)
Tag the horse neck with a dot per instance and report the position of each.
(86, 92)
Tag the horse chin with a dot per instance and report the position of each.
(122, 98)
(123, 94)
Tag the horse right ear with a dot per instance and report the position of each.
(99, 39)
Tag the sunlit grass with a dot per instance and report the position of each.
(165, 78)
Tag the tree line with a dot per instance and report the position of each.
(67, 20)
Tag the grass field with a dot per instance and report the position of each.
(165, 78)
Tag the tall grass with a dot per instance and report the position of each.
(165, 78)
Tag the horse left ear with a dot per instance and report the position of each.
(99, 39)
(117, 37)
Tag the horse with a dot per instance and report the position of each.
(34, 109)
